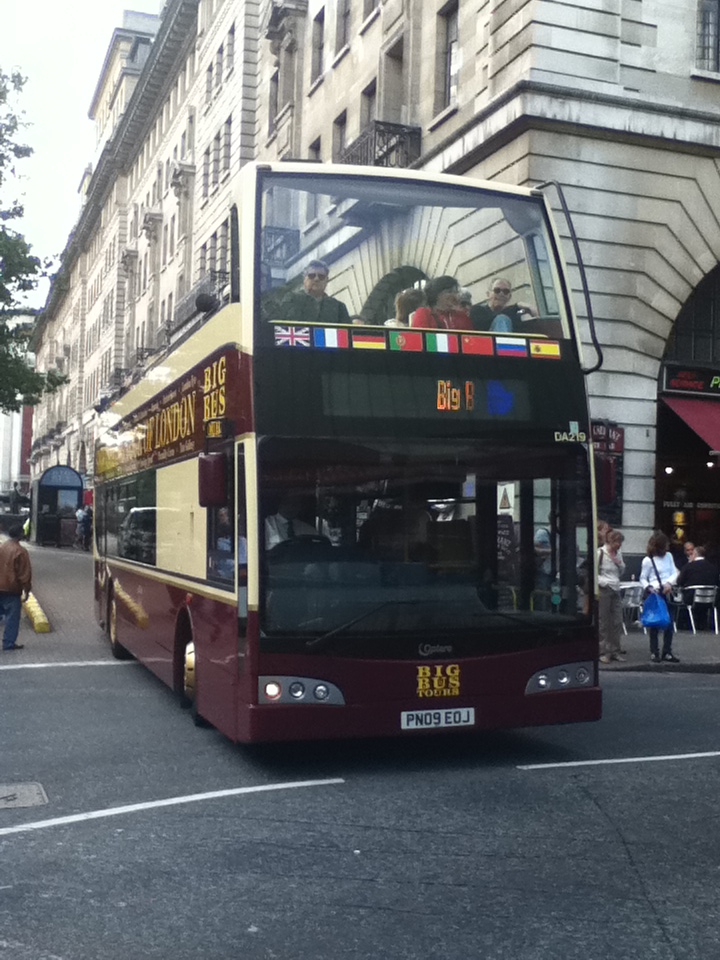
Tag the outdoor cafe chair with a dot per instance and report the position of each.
(698, 596)
(631, 596)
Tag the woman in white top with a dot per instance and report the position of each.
(658, 574)
(610, 569)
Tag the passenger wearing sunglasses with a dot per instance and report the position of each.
(312, 304)
(497, 313)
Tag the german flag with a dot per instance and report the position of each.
(546, 349)
(368, 341)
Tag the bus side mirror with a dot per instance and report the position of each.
(212, 480)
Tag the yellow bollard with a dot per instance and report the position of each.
(36, 615)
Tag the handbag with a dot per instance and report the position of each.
(655, 612)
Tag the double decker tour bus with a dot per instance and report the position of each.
(311, 523)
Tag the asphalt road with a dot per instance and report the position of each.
(525, 845)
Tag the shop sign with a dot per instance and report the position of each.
(695, 381)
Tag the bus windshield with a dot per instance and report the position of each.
(380, 540)
(367, 239)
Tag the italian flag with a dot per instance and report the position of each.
(441, 343)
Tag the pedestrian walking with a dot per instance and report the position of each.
(15, 584)
(658, 574)
(610, 569)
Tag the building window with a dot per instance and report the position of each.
(209, 84)
(273, 101)
(219, 65)
(368, 106)
(230, 49)
(314, 154)
(708, 34)
(206, 174)
(217, 150)
(227, 145)
(318, 46)
(449, 60)
(342, 32)
(369, 6)
(223, 246)
(339, 135)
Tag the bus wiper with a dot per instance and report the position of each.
(319, 643)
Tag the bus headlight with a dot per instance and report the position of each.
(297, 690)
(273, 690)
(565, 676)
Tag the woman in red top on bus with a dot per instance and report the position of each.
(442, 310)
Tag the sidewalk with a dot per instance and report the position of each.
(698, 654)
(63, 585)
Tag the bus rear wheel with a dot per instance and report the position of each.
(118, 650)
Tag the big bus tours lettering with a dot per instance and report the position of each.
(170, 424)
(214, 390)
(438, 680)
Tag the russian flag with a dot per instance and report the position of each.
(331, 338)
(510, 347)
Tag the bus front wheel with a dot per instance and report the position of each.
(190, 683)
(118, 650)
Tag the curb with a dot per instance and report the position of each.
(689, 667)
(36, 615)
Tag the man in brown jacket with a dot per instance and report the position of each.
(15, 583)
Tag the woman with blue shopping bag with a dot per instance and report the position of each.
(658, 574)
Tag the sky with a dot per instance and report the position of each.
(60, 47)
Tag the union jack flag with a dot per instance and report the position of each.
(292, 336)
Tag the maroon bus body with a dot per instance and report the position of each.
(376, 692)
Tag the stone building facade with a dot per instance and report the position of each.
(617, 100)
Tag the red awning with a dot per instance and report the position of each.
(702, 416)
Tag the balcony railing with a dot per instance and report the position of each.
(384, 144)
(279, 245)
(212, 283)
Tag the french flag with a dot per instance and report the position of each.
(331, 338)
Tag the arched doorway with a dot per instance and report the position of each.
(688, 423)
(380, 304)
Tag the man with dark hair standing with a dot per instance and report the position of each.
(15, 583)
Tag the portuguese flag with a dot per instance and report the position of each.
(406, 340)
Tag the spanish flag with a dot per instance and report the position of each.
(546, 349)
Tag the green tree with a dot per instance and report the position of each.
(19, 269)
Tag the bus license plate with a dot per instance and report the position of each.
(432, 719)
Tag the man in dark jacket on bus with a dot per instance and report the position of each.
(15, 584)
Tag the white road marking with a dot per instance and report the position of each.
(600, 763)
(169, 802)
(70, 663)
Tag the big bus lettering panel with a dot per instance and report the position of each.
(211, 399)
